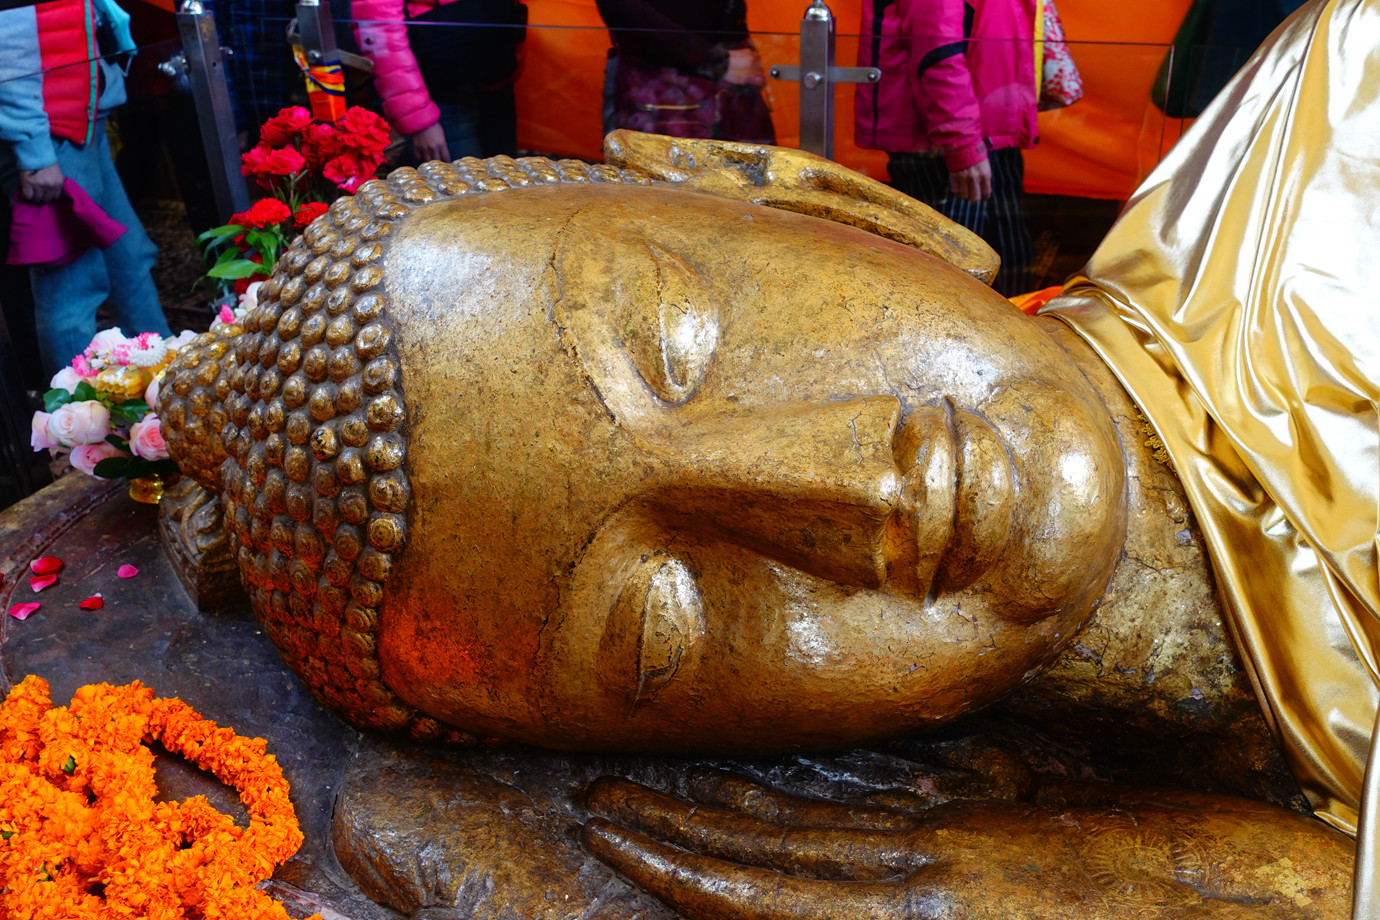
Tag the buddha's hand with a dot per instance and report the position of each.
(757, 854)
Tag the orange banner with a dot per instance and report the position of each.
(1100, 147)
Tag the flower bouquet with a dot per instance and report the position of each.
(100, 414)
(302, 163)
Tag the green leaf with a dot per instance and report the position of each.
(70, 766)
(6, 835)
(165, 468)
(138, 467)
(112, 467)
(83, 392)
(223, 232)
(55, 399)
(130, 411)
(114, 440)
(242, 268)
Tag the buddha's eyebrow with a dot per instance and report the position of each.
(642, 321)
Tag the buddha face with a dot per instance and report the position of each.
(695, 475)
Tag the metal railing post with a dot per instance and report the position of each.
(317, 30)
(211, 95)
(817, 76)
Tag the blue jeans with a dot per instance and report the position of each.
(66, 297)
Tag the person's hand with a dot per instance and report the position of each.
(759, 854)
(40, 186)
(973, 183)
(744, 68)
(430, 144)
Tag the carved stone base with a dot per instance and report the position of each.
(190, 529)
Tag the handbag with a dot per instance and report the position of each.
(665, 100)
(1060, 82)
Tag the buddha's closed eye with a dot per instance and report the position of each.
(654, 316)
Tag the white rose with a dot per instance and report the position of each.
(67, 379)
(80, 423)
(107, 339)
(250, 298)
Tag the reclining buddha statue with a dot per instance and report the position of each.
(723, 449)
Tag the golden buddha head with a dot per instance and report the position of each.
(621, 465)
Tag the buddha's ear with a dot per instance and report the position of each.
(794, 180)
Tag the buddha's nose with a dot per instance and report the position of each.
(816, 486)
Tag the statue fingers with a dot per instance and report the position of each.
(821, 852)
(732, 790)
(704, 888)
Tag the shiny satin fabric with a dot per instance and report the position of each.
(1238, 300)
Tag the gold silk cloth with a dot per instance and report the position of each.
(1238, 300)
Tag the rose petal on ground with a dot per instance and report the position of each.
(45, 565)
(22, 611)
(94, 602)
(39, 582)
(126, 571)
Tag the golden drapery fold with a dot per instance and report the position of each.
(1238, 300)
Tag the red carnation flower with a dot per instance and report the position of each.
(267, 212)
(350, 170)
(308, 213)
(285, 127)
(363, 131)
(266, 164)
(320, 143)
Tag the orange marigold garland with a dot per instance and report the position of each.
(80, 834)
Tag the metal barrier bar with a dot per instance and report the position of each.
(817, 75)
(206, 74)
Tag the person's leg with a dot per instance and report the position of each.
(924, 177)
(66, 297)
(1007, 230)
(129, 260)
(497, 121)
(460, 121)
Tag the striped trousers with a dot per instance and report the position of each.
(1000, 220)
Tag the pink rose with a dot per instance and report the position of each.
(146, 439)
(39, 438)
(151, 394)
(67, 379)
(80, 423)
(86, 456)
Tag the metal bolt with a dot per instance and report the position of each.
(173, 66)
(812, 79)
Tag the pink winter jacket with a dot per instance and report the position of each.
(958, 78)
(382, 35)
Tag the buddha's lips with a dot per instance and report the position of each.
(940, 465)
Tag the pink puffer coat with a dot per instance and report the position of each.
(957, 77)
(382, 35)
